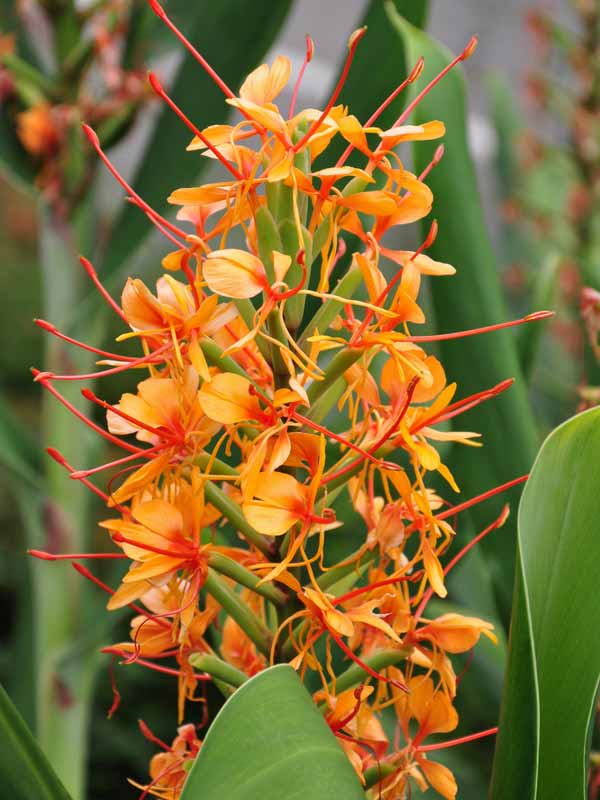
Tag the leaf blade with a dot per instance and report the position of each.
(557, 541)
(24, 771)
(269, 742)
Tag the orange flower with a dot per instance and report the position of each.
(38, 131)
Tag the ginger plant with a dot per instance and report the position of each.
(271, 397)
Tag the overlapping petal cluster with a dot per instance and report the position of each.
(282, 393)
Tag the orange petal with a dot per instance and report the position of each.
(440, 778)
(265, 83)
(227, 399)
(234, 273)
(433, 569)
(160, 517)
(376, 202)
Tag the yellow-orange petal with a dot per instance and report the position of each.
(227, 399)
(234, 273)
(433, 569)
(159, 517)
(172, 261)
(456, 633)
(127, 593)
(440, 778)
(413, 133)
(377, 202)
(265, 83)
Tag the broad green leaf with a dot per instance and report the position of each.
(470, 299)
(269, 742)
(233, 40)
(554, 662)
(25, 773)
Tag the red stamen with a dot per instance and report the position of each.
(60, 459)
(186, 269)
(42, 554)
(453, 742)
(414, 74)
(116, 694)
(157, 87)
(342, 440)
(78, 474)
(154, 215)
(155, 220)
(161, 551)
(89, 395)
(147, 733)
(44, 380)
(497, 523)
(133, 606)
(157, 667)
(450, 512)
(338, 726)
(310, 49)
(355, 592)
(160, 12)
(437, 157)
(370, 313)
(50, 328)
(344, 647)
(465, 404)
(89, 268)
(537, 315)
(466, 53)
(382, 439)
(137, 362)
(353, 44)
(481, 497)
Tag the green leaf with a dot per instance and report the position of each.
(554, 662)
(269, 742)
(470, 299)
(233, 48)
(18, 450)
(15, 164)
(24, 771)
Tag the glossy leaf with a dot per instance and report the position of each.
(233, 49)
(269, 742)
(554, 662)
(470, 299)
(24, 771)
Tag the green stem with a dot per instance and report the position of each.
(345, 287)
(217, 467)
(232, 511)
(219, 669)
(332, 576)
(378, 661)
(255, 629)
(214, 356)
(373, 775)
(319, 394)
(242, 576)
